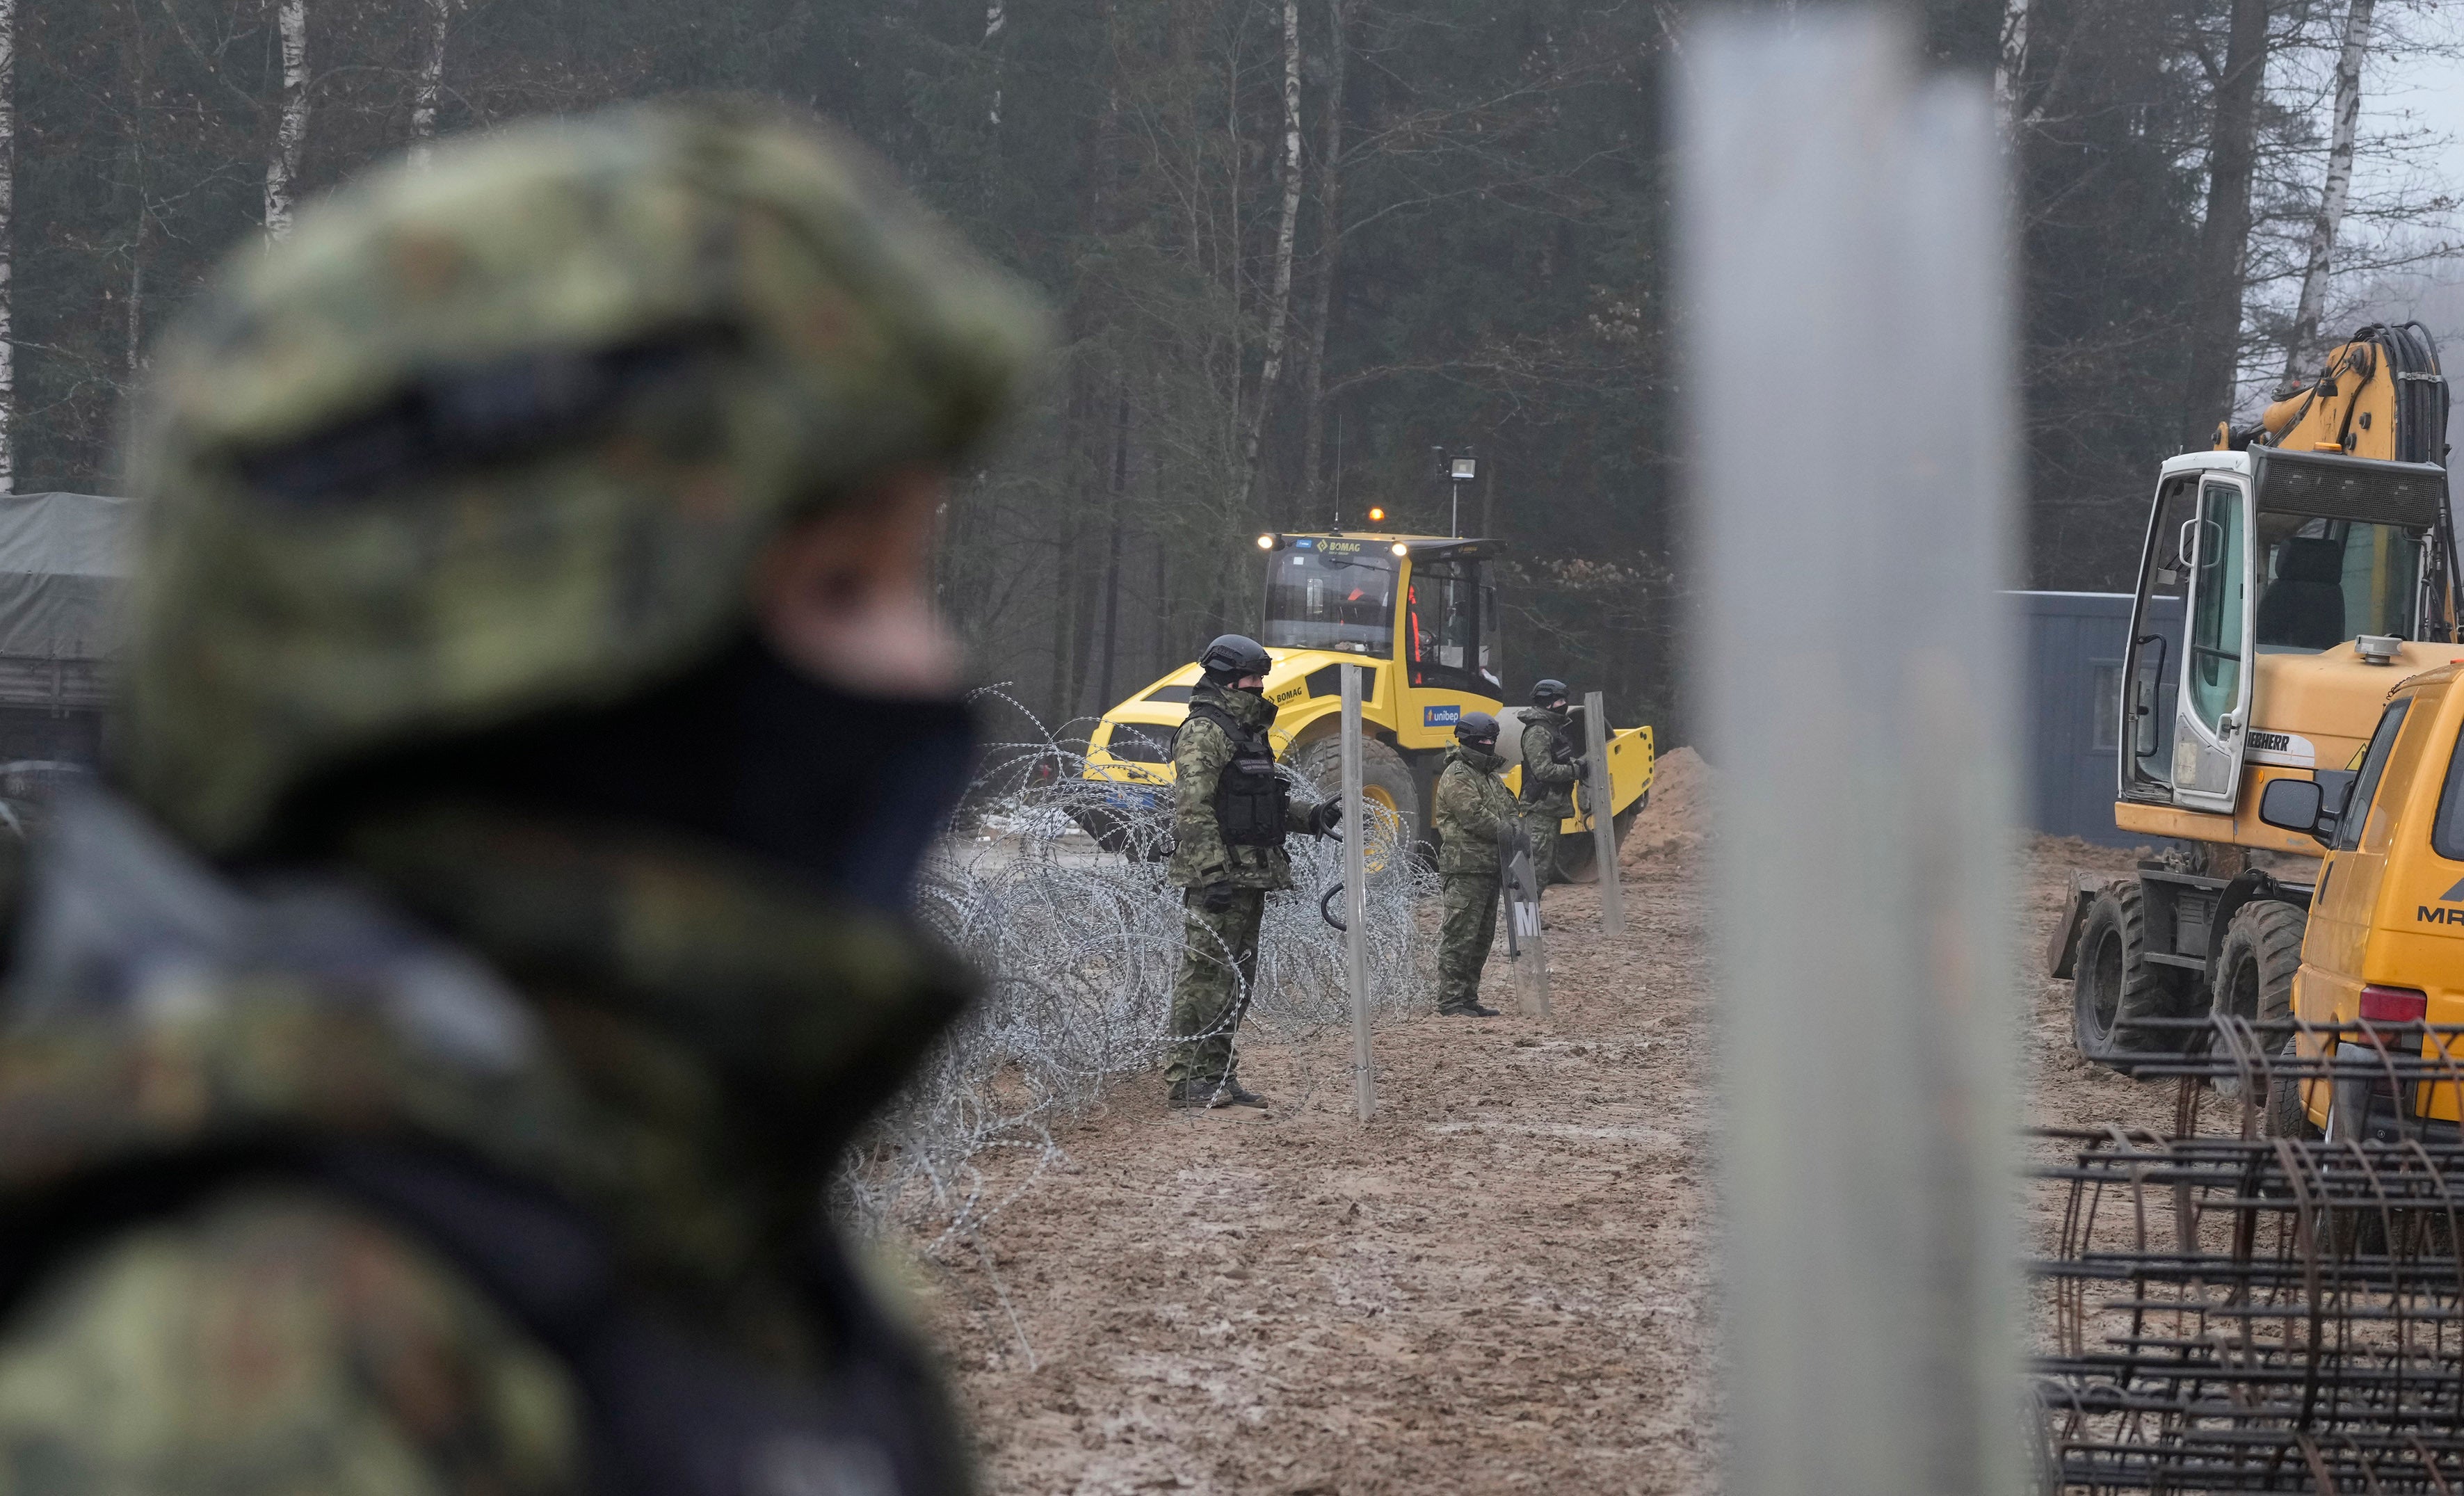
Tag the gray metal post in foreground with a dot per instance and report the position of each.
(1842, 269)
(1355, 896)
(1604, 847)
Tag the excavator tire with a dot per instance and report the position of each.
(2115, 987)
(2254, 970)
(1385, 779)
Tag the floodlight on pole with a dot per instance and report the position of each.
(1459, 471)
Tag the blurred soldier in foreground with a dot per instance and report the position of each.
(1473, 810)
(1551, 767)
(422, 1074)
(1231, 811)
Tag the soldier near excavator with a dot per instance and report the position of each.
(1232, 807)
(1551, 767)
(424, 1060)
(1474, 812)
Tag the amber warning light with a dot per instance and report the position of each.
(1376, 516)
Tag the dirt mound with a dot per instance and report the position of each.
(1679, 816)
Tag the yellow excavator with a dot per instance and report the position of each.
(1419, 613)
(2291, 579)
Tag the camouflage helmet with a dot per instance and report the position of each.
(505, 434)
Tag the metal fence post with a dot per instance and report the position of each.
(1841, 256)
(1604, 847)
(1356, 897)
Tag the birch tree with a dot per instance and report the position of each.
(995, 18)
(431, 87)
(1279, 300)
(291, 134)
(2302, 349)
(1330, 254)
(2010, 64)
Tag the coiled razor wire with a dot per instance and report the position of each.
(1053, 885)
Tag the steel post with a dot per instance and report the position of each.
(1356, 897)
(1840, 215)
(1604, 847)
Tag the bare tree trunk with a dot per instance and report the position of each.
(2009, 65)
(1279, 306)
(8, 255)
(2301, 353)
(1329, 231)
(2224, 238)
(291, 135)
(432, 81)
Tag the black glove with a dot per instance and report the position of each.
(1582, 767)
(1326, 816)
(1215, 898)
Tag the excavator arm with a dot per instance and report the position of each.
(2380, 395)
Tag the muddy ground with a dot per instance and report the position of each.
(1500, 1284)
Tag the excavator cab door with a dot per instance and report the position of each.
(2211, 712)
(2151, 672)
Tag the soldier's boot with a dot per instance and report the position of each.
(1232, 1093)
(1476, 1010)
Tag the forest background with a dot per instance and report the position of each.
(1295, 246)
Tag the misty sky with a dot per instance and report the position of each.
(2425, 93)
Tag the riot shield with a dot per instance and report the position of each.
(1519, 885)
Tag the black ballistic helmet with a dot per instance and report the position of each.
(1544, 692)
(1477, 728)
(1232, 656)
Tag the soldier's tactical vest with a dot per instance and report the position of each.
(1250, 797)
(671, 1411)
(1561, 750)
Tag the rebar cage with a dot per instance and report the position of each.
(2253, 1301)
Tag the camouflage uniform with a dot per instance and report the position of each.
(423, 1145)
(1219, 960)
(1547, 796)
(1473, 809)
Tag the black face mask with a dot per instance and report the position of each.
(844, 790)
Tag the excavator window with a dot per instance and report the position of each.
(2214, 547)
(2327, 580)
(2153, 665)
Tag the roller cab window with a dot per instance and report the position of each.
(1316, 601)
